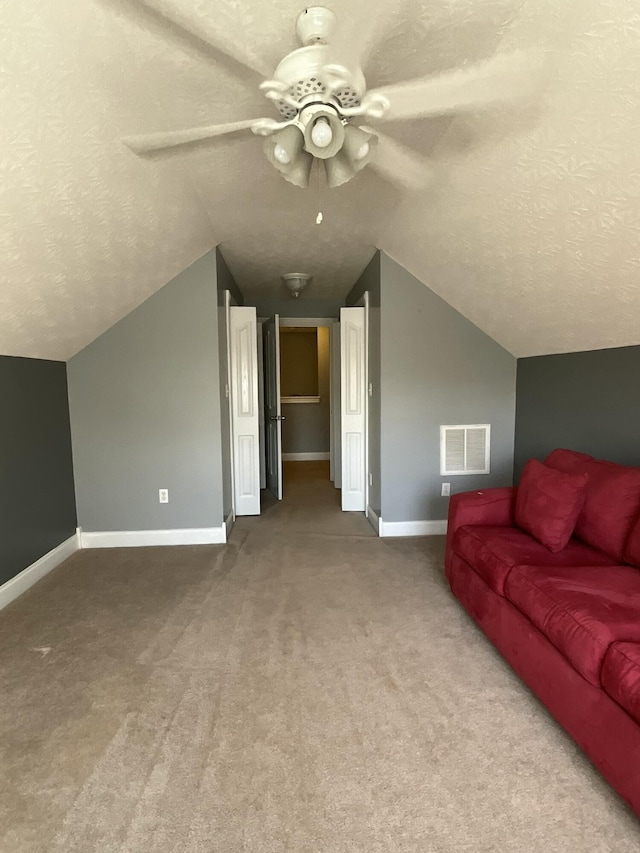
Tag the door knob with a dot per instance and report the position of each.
(277, 418)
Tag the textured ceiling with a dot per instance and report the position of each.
(531, 227)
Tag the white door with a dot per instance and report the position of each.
(273, 408)
(336, 440)
(245, 412)
(353, 408)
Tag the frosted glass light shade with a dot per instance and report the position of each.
(356, 153)
(296, 282)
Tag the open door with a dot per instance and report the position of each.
(273, 408)
(336, 436)
(353, 408)
(244, 409)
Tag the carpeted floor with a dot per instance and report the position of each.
(307, 688)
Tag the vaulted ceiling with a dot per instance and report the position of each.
(530, 227)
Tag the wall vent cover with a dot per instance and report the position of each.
(465, 449)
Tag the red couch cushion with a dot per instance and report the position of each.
(621, 676)
(631, 552)
(612, 501)
(580, 609)
(568, 460)
(494, 551)
(548, 503)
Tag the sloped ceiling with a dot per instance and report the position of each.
(531, 227)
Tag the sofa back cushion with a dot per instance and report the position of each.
(631, 553)
(612, 502)
(548, 503)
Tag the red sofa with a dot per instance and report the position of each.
(567, 622)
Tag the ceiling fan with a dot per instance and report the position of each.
(325, 108)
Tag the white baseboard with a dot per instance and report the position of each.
(374, 520)
(14, 587)
(413, 528)
(228, 525)
(144, 538)
(305, 457)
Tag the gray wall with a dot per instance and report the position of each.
(145, 412)
(225, 281)
(307, 425)
(587, 401)
(37, 501)
(436, 368)
(370, 281)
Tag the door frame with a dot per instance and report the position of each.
(272, 404)
(363, 302)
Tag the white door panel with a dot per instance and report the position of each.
(245, 413)
(353, 408)
(336, 443)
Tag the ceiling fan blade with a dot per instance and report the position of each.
(399, 164)
(147, 142)
(357, 43)
(503, 78)
(206, 22)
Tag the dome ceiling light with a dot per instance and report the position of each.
(296, 282)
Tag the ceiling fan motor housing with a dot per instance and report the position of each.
(306, 76)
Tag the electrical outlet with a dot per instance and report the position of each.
(446, 490)
(163, 496)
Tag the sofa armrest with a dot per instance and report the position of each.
(487, 506)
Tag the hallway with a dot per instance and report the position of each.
(311, 504)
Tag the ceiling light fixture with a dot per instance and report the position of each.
(317, 99)
(321, 133)
(323, 130)
(356, 152)
(285, 151)
(296, 282)
(319, 91)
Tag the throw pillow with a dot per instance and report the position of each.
(548, 503)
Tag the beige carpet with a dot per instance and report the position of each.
(309, 687)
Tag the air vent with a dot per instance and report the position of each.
(465, 449)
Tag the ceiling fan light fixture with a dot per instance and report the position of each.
(296, 282)
(357, 152)
(323, 131)
(282, 155)
(363, 151)
(285, 151)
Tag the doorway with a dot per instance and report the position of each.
(320, 392)
(300, 400)
(305, 393)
